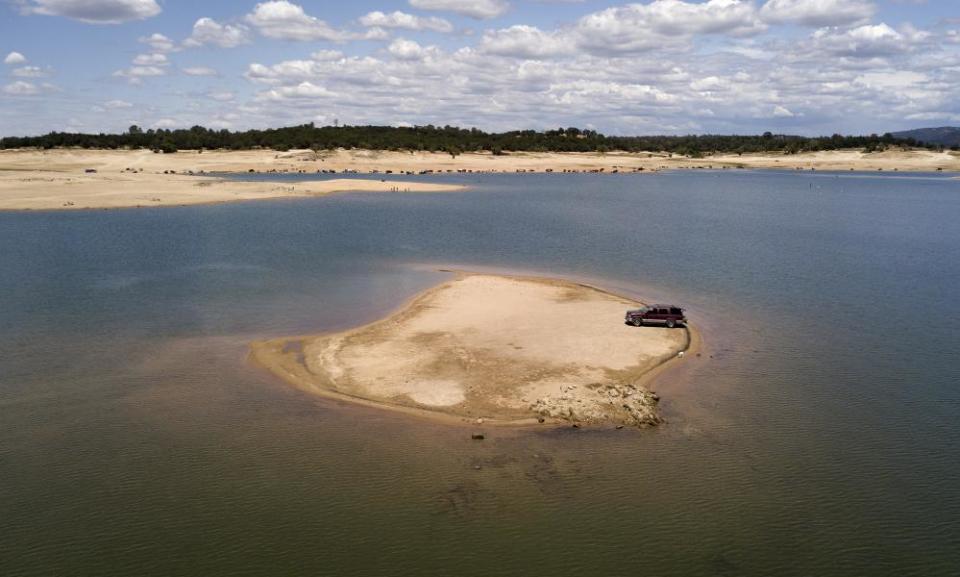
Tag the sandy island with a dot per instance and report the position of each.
(509, 350)
(59, 178)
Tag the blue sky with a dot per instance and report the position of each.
(653, 66)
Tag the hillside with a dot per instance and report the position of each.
(943, 135)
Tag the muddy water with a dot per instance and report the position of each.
(815, 435)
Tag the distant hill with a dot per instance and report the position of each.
(945, 135)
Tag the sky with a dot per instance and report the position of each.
(812, 67)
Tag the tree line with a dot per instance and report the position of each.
(450, 139)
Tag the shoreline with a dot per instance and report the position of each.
(283, 359)
(76, 179)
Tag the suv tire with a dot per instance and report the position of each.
(671, 323)
(636, 322)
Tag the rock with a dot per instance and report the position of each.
(477, 436)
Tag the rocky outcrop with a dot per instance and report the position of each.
(616, 403)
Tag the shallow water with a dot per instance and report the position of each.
(816, 435)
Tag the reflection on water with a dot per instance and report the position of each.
(815, 435)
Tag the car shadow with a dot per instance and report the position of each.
(654, 325)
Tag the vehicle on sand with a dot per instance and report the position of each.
(668, 315)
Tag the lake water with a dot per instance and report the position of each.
(818, 433)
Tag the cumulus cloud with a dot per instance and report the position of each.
(144, 66)
(865, 41)
(817, 13)
(21, 88)
(207, 31)
(409, 50)
(14, 58)
(151, 60)
(525, 42)
(782, 112)
(136, 74)
(158, 42)
(406, 21)
(637, 27)
(642, 66)
(288, 21)
(199, 71)
(94, 11)
(477, 9)
(30, 72)
(304, 90)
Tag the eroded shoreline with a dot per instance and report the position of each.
(505, 349)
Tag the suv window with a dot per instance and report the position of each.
(676, 312)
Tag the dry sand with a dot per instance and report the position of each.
(57, 179)
(505, 349)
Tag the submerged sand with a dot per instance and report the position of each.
(506, 349)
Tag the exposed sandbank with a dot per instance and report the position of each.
(58, 179)
(506, 349)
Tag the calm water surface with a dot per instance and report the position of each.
(816, 435)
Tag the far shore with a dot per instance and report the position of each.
(69, 179)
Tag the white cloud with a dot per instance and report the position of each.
(15, 58)
(136, 74)
(151, 60)
(408, 50)
(158, 42)
(21, 88)
(406, 21)
(817, 12)
(638, 27)
(782, 112)
(287, 21)
(223, 96)
(477, 9)
(30, 72)
(166, 123)
(117, 104)
(865, 41)
(94, 11)
(304, 90)
(199, 71)
(525, 42)
(207, 31)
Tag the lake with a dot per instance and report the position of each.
(816, 435)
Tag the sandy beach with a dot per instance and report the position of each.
(81, 179)
(508, 350)
(78, 179)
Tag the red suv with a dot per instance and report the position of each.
(667, 315)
